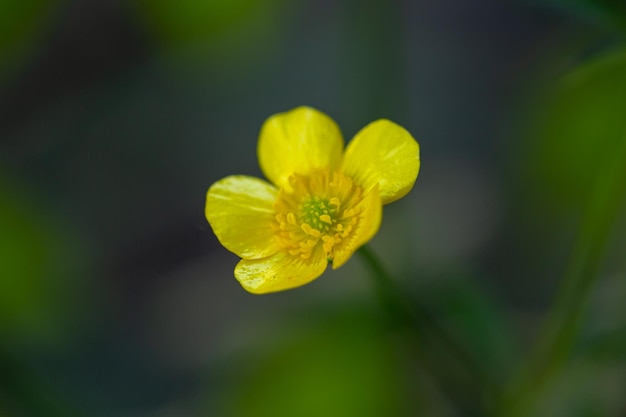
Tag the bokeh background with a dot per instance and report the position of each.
(116, 116)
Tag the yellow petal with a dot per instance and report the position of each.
(370, 217)
(240, 211)
(386, 154)
(278, 272)
(298, 141)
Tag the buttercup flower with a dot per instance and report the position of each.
(321, 203)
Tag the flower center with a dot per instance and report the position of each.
(317, 212)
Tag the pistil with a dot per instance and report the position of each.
(317, 212)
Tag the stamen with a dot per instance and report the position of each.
(316, 213)
(309, 230)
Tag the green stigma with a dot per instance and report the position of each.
(317, 212)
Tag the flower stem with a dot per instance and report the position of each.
(412, 315)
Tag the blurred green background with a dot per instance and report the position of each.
(116, 116)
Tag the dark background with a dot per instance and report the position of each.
(115, 117)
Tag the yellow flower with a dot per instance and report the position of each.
(322, 204)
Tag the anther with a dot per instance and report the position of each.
(309, 230)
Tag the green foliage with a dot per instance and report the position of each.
(342, 365)
(36, 269)
(580, 166)
(20, 23)
(581, 129)
(197, 19)
(611, 13)
(218, 35)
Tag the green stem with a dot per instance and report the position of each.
(561, 329)
(412, 315)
